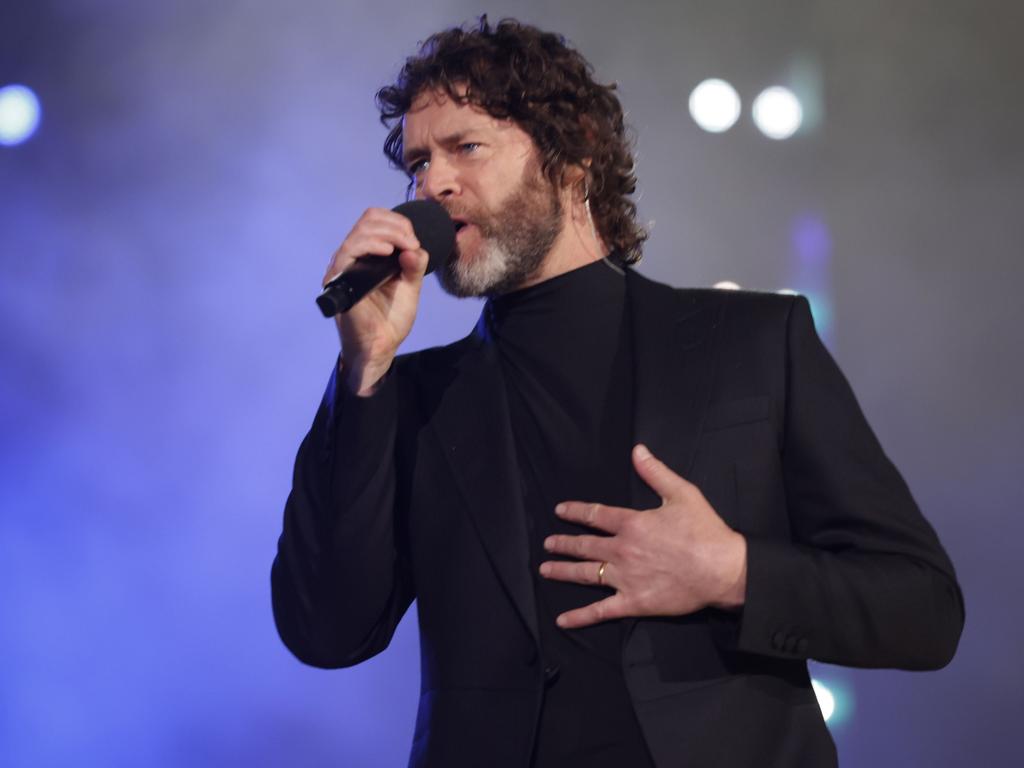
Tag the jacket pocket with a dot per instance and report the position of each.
(737, 412)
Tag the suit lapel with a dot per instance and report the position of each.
(673, 366)
(673, 374)
(473, 425)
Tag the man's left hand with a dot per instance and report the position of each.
(669, 561)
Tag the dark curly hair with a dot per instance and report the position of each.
(516, 71)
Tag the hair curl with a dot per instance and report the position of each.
(519, 72)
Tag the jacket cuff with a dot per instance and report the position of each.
(773, 569)
(358, 426)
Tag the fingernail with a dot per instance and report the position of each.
(560, 509)
(548, 543)
(641, 451)
(545, 569)
(560, 621)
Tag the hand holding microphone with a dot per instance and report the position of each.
(432, 227)
(373, 283)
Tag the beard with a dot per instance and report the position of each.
(514, 241)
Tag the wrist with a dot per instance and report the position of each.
(735, 575)
(362, 380)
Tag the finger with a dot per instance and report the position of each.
(578, 573)
(388, 218)
(368, 246)
(666, 483)
(612, 607)
(580, 547)
(387, 225)
(365, 238)
(414, 264)
(599, 516)
(380, 217)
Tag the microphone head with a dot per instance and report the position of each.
(434, 229)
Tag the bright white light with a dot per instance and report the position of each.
(727, 285)
(715, 105)
(826, 700)
(777, 112)
(787, 292)
(19, 114)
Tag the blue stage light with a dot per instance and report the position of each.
(19, 114)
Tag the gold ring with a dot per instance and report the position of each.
(600, 573)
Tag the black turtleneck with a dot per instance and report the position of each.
(565, 353)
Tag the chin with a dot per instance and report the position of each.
(483, 273)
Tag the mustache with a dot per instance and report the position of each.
(462, 213)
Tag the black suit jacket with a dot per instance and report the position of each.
(414, 493)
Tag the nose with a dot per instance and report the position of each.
(438, 180)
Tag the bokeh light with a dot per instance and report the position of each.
(826, 700)
(777, 112)
(715, 105)
(19, 114)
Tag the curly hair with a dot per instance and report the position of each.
(518, 72)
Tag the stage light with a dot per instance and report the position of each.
(19, 114)
(777, 112)
(826, 700)
(715, 105)
(727, 285)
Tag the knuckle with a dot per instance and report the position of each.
(630, 527)
(631, 553)
(689, 491)
(618, 550)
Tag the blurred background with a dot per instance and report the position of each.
(173, 180)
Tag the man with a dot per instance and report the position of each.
(629, 514)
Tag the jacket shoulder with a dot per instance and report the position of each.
(755, 305)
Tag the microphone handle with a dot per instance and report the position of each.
(362, 276)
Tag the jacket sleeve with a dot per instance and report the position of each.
(340, 582)
(864, 580)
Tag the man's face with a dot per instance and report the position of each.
(486, 174)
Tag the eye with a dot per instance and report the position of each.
(417, 167)
(468, 147)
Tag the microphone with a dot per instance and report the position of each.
(433, 228)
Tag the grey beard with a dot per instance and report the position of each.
(515, 243)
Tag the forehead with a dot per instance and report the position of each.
(434, 116)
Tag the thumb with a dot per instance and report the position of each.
(414, 264)
(656, 474)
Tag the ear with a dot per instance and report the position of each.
(574, 177)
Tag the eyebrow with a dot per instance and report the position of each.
(411, 154)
